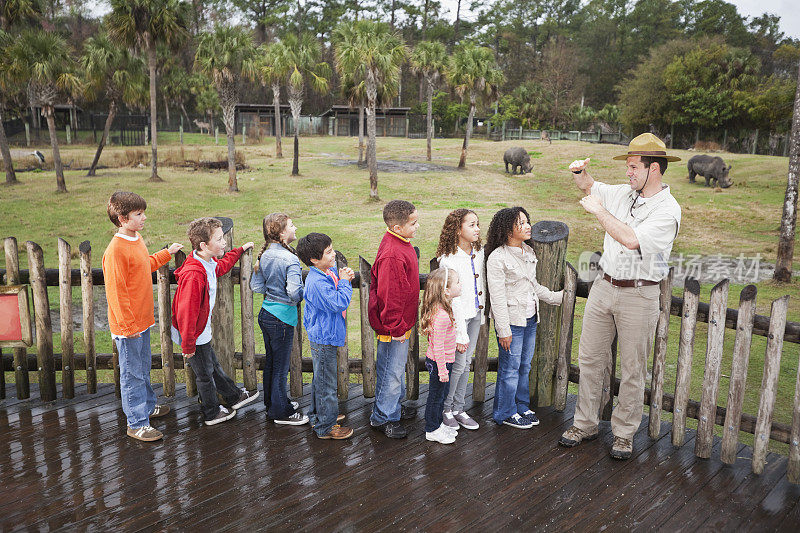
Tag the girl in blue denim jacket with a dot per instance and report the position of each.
(278, 276)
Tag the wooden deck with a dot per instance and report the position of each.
(68, 464)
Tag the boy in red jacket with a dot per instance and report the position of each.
(191, 317)
(393, 305)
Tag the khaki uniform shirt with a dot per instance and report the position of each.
(655, 221)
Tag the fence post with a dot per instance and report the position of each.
(191, 385)
(20, 354)
(367, 334)
(222, 317)
(244, 134)
(793, 469)
(755, 142)
(248, 322)
(706, 416)
(296, 358)
(65, 306)
(691, 295)
(87, 299)
(412, 363)
(44, 329)
(180, 129)
(408, 124)
(659, 356)
(165, 330)
(69, 135)
(549, 242)
(565, 339)
(607, 393)
(504, 135)
(343, 359)
(27, 135)
(146, 136)
(216, 134)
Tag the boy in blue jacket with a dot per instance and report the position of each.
(327, 294)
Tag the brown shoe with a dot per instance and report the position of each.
(339, 418)
(145, 433)
(622, 448)
(338, 432)
(159, 411)
(574, 436)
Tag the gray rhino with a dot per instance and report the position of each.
(710, 167)
(518, 158)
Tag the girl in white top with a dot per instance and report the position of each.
(460, 250)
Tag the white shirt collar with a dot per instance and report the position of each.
(128, 238)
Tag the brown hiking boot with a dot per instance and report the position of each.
(622, 448)
(574, 436)
(145, 433)
(338, 432)
(159, 411)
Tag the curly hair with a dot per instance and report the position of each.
(448, 240)
(501, 228)
(272, 226)
(434, 297)
(201, 229)
(122, 203)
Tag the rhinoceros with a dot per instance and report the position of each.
(710, 167)
(518, 158)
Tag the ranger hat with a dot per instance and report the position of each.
(648, 145)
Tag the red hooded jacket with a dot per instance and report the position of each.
(191, 305)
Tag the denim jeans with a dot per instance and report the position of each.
(138, 398)
(278, 339)
(211, 378)
(459, 377)
(390, 387)
(512, 392)
(436, 393)
(324, 403)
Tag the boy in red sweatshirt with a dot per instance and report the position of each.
(128, 270)
(191, 318)
(393, 305)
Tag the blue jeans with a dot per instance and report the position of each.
(390, 387)
(324, 404)
(512, 392)
(278, 340)
(436, 393)
(138, 398)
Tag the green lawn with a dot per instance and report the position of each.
(334, 199)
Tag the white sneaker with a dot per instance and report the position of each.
(297, 419)
(452, 431)
(441, 436)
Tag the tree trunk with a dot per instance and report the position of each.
(186, 116)
(372, 160)
(425, 19)
(276, 102)
(361, 134)
(51, 127)
(11, 176)
(457, 23)
(151, 63)
(112, 111)
(228, 113)
(166, 111)
(429, 117)
(783, 266)
(462, 163)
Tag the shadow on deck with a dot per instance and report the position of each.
(69, 464)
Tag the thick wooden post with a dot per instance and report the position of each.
(481, 361)
(65, 306)
(367, 334)
(691, 298)
(549, 242)
(222, 316)
(607, 394)
(741, 358)
(706, 416)
(115, 365)
(412, 363)
(248, 322)
(44, 329)
(87, 299)
(769, 383)
(20, 354)
(659, 356)
(793, 468)
(296, 358)
(188, 373)
(342, 357)
(565, 338)
(165, 330)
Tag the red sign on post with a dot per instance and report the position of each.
(15, 317)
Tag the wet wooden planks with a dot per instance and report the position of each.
(69, 464)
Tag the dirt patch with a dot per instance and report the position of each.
(393, 165)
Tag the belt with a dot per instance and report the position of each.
(628, 282)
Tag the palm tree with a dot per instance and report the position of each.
(113, 70)
(370, 51)
(355, 92)
(225, 55)
(473, 73)
(304, 55)
(43, 60)
(783, 266)
(429, 59)
(13, 11)
(274, 65)
(145, 24)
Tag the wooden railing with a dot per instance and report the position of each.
(552, 369)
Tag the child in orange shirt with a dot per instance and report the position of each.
(127, 269)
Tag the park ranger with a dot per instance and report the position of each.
(641, 220)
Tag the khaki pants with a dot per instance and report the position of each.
(631, 313)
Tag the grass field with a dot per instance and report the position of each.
(743, 219)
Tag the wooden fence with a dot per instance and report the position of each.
(551, 372)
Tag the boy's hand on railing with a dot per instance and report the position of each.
(174, 247)
(246, 246)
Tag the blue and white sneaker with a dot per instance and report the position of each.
(517, 421)
(530, 415)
